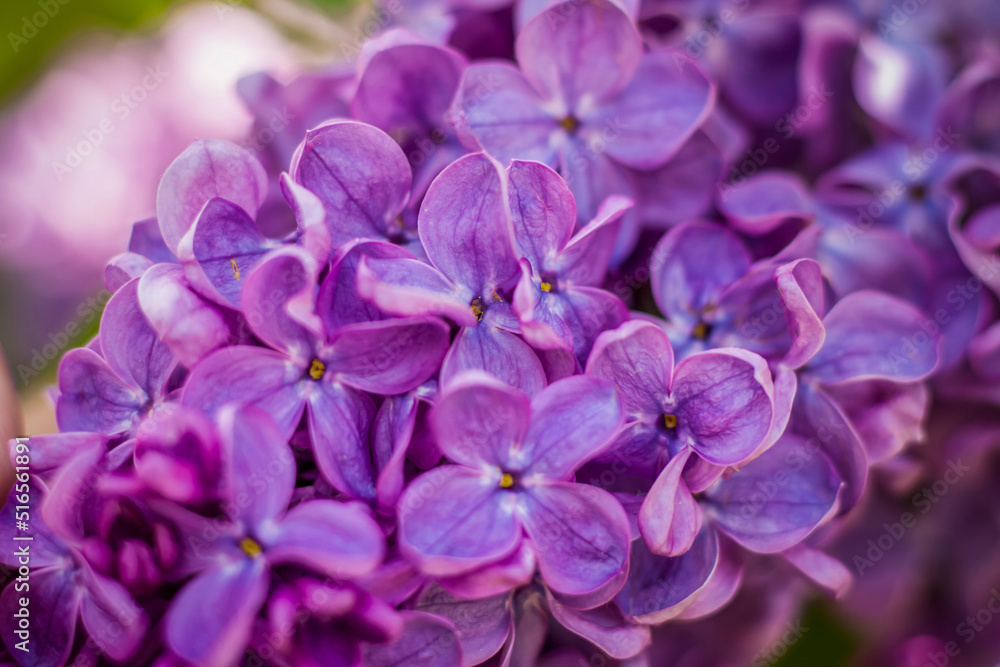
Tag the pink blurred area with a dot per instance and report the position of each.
(84, 148)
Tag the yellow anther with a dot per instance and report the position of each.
(506, 480)
(546, 287)
(235, 267)
(670, 421)
(477, 308)
(316, 369)
(569, 123)
(700, 331)
(250, 547)
(497, 297)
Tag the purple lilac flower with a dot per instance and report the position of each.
(584, 100)
(316, 365)
(210, 620)
(514, 456)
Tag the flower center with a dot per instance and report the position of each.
(506, 480)
(670, 421)
(570, 123)
(250, 547)
(235, 267)
(918, 193)
(316, 369)
(478, 308)
(701, 331)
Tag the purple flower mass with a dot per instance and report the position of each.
(543, 333)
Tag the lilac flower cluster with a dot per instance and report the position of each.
(523, 350)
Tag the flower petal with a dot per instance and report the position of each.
(638, 358)
(92, 397)
(428, 640)
(483, 624)
(579, 54)
(775, 501)
(390, 356)
(359, 173)
(572, 421)
(463, 225)
(340, 420)
(339, 540)
(669, 518)
(497, 352)
(724, 403)
(407, 286)
(208, 168)
(53, 605)
(453, 520)
(581, 537)
(604, 626)
(210, 620)
(115, 623)
(543, 212)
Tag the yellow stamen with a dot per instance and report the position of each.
(506, 480)
(546, 287)
(700, 331)
(497, 297)
(670, 421)
(250, 547)
(316, 369)
(569, 123)
(477, 308)
(235, 267)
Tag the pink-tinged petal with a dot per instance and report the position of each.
(262, 476)
(573, 420)
(310, 217)
(210, 620)
(427, 640)
(497, 110)
(453, 520)
(64, 507)
(180, 456)
(825, 570)
(541, 327)
(761, 203)
(359, 173)
(656, 113)
(582, 312)
(724, 403)
(208, 168)
(581, 53)
(53, 608)
(407, 286)
(800, 286)
(340, 420)
(92, 397)
(721, 587)
(483, 624)
(390, 356)
(479, 421)
(222, 246)
(818, 419)
(786, 386)
(279, 302)
(464, 227)
(130, 345)
(638, 358)
(873, 335)
(775, 501)
(336, 539)
(123, 268)
(661, 588)
(188, 324)
(502, 577)
(604, 626)
(887, 416)
(115, 623)
(248, 374)
(669, 518)
(684, 284)
(683, 188)
(543, 212)
(497, 352)
(581, 538)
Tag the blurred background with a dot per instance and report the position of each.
(98, 96)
